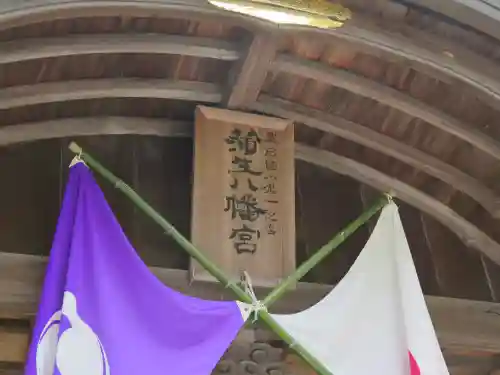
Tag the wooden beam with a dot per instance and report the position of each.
(14, 14)
(384, 144)
(41, 93)
(39, 48)
(466, 66)
(461, 324)
(461, 279)
(482, 15)
(14, 342)
(7, 368)
(276, 107)
(247, 77)
(469, 363)
(466, 231)
(428, 53)
(388, 96)
(437, 57)
(21, 277)
(89, 126)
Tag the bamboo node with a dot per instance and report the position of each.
(229, 284)
(168, 231)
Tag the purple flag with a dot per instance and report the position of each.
(102, 312)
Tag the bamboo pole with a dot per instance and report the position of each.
(217, 272)
(325, 250)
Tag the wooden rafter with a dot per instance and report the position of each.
(13, 13)
(460, 324)
(479, 14)
(37, 48)
(19, 96)
(384, 144)
(91, 126)
(466, 231)
(13, 344)
(443, 60)
(388, 96)
(465, 67)
(249, 74)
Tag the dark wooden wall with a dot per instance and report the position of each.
(33, 176)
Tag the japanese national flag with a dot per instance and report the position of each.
(375, 321)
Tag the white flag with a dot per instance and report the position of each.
(375, 321)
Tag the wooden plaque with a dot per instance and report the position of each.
(243, 212)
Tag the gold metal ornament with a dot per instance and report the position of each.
(315, 13)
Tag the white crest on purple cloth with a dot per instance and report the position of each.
(77, 351)
(116, 303)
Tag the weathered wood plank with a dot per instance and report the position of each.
(482, 15)
(7, 368)
(467, 232)
(14, 344)
(388, 96)
(29, 195)
(39, 48)
(13, 13)
(247, 77)
(384, 144)
(251, 354)
(19, 96)
(459, 271)
(470, 325)
(21, 277)
(267, 250)
(438, 58)
(163, 175)
(89, 126)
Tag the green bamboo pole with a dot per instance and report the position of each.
(324, 251)
(217, 272)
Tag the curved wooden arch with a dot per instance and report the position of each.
(469, 68)
(441, 59)
(385, 145)
(116, 125)
(19, 96)
(39, 48)
(478, 14)
(89, 126)
(388, 96)
(466, 231)
(14, 14)
(197, 91)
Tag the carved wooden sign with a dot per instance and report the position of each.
(243, 213)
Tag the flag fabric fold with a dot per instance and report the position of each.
(375, 321)
(102, 312)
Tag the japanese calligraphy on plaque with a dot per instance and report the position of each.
(243, 212)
